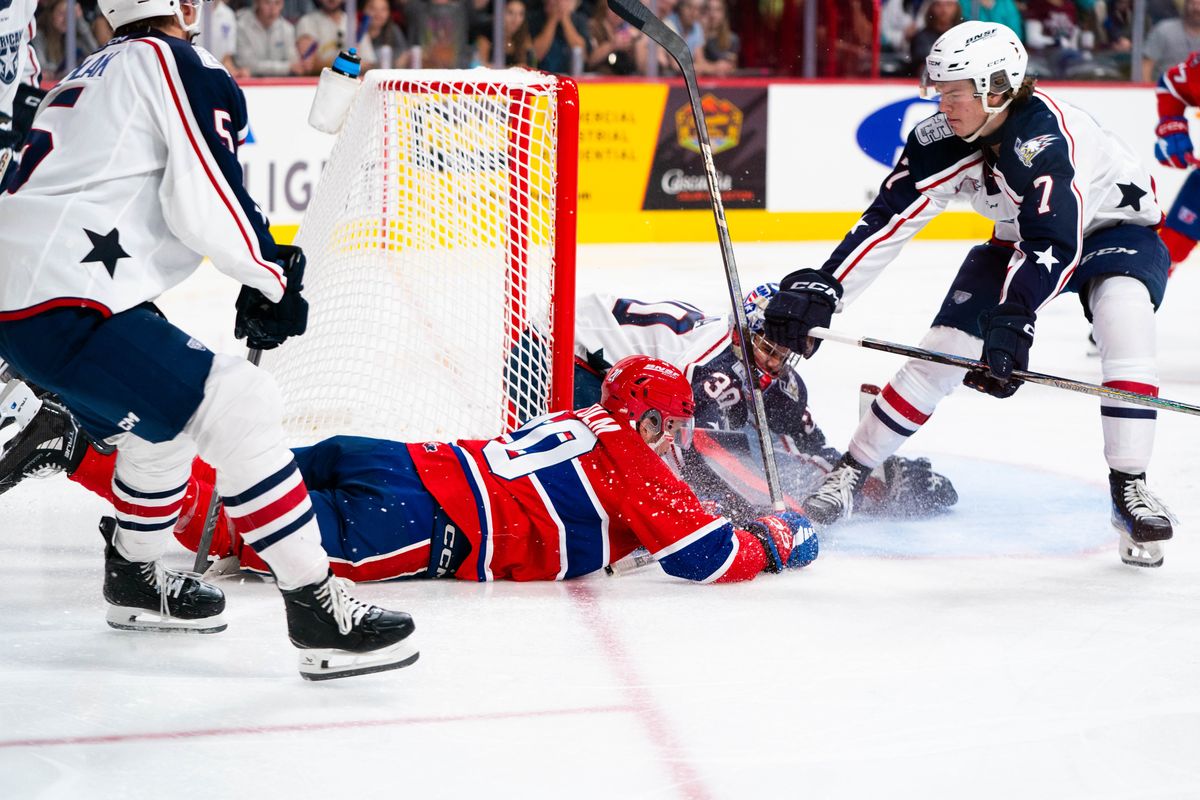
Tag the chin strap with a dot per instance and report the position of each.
(991, 111)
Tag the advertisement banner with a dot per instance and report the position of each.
(737, 130)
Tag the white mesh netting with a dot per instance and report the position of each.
(431, 262)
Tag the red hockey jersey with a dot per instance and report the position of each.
(1179, 87)
(569, 493)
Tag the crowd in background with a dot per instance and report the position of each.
(1070, 39)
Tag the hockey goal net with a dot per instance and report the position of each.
(441, 247)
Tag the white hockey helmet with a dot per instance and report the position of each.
(987, 53)
(123, 12)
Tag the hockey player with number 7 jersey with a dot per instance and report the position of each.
(564, 495)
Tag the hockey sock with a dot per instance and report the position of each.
(148, 488)
(1123, 324)
(907, 402)
(264, 494)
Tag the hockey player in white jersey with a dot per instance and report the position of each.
(1074, 211)
(706, 348)
(129, 176)
(20, 75)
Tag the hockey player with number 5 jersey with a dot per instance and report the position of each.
(129, 177)
(1074, 211)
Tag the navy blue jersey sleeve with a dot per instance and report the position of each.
(219, 108)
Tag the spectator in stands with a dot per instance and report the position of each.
(387, 40)
(940, 16)
(558, 33)
(218, 34)
(1171, 40)
(719, 55)
(50, 43)
(1004, 12)
(293, 10)
(321, 35)
(687, 21)
(1052, 36)
(441, 28)
(899, 21)
(518, 44)
(266, 42)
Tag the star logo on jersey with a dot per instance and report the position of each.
(1046, 258)
(106, 248)
(861, 222)
(1028, 149)
(1131, 195)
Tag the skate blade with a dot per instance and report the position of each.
(139, 619)
(1140, 554)
(328, 664)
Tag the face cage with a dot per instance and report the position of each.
(768, 349)
(679, 428)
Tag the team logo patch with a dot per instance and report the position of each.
(1028, 149)
(1186, 215)
(196, 344)
(959, 297)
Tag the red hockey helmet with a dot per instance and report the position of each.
(641, 388)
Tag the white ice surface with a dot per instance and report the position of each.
(1001, 651)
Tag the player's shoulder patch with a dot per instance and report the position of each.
(933, 129)
(1027, 149)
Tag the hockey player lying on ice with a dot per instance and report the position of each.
(706, 348)
(564, 495)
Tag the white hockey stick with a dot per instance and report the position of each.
(641, 18)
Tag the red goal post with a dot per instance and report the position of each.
(441, 260)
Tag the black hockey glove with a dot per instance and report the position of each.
(266, 325)
(806, 300)
(1007, 336)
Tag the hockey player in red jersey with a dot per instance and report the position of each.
(1178, 88)
(1074, 211)
(564, 495)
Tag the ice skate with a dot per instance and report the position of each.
(50, 442)
(146, 596)
(1141, 519)
(340, 636)
(835, 497)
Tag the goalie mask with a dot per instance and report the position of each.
(655, 398)
(123, 12)
(986, 53)
(772, 359)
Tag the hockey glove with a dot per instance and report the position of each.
(787, 538)
(266, 325)
(1174, 145)
(806, 300)
(1007, 336)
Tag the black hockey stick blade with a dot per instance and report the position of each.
(1025, 375)
(640, 17)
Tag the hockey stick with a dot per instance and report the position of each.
(200, 566)
(1032, 377)
(641, 18)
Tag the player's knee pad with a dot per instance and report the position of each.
(237, 427)
(924, 383)
(1124, 329)
(154, 466)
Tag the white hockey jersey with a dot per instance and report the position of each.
(129, 177)
(609, 328)
(18, 63)
(1058, 177)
